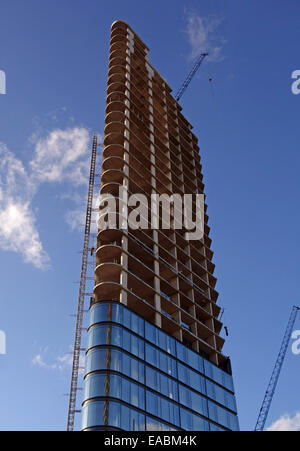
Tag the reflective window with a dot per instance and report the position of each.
(160, 339)
(192, 400)
(97, 335)
(92, 414)
(191, 378)
(218, 375)
(100, 312)
(112, 414)
(190, 369)
(213, 427)
(96, 360)
(101, 359)
(127, 365)
(116, 312)
(160, 360)
(129, 319)
(162, 408)
(220, 395)
(115, 335)
(189, 357)
(97, 385)
(161, 383)
(123, 417)
(223, 417)
(191, 422)
(153, 425)
(94, 386)
(130, 392)
(131, 343)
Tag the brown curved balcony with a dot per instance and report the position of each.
(116, 87)
(137, 137)
(119, 28)
(115, 116)
(117, 69)
(119, 24)
(110, 188)
(119, 97)
(109, 236)
(118, 45)
(113, 150)
(109, 251)
(107, 291)
(114, 138)
(108, 272)
(117, 61)
(115, 105)
(112, 176)
(117, 77)
(112, 162)
(117, 38)
(118, 53)
(114, 127)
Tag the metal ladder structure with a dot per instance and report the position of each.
(190, 76)
(265, 408)
(81, 295)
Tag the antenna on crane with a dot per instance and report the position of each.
(190, 76)
(264, 411)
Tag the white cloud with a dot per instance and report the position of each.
(38, 361)
(203, 37)
(76, 218)
(18, 233)
(286, 423)
(60, 363)
(18, 230)
(62, 155)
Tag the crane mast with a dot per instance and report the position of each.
(190, 76)
(81, 295)
(265, 408)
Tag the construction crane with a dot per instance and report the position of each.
(264, 411)
(190, 76)
(81, 295)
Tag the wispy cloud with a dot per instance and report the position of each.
(76, 218)
(286, 423)
(60, 363)
(18, 230)
(60, 156)
(203, 36)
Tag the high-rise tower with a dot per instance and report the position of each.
(154, 358)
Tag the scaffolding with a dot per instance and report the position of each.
(82, 287)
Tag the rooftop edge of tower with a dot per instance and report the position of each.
(122, 22)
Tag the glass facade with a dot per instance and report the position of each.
(139, 378)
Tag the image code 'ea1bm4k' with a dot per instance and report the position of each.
(154, 358)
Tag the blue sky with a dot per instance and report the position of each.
(55, 55)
